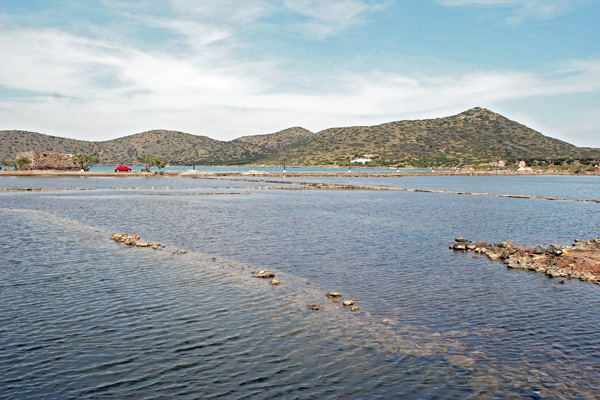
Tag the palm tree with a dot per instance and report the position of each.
(152, 162)
(85, 161)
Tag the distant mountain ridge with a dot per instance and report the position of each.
(476, 135)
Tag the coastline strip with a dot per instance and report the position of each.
(292, 185)
(333, 186)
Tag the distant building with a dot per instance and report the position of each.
(361, 160)
(523, 166)
(46, 160)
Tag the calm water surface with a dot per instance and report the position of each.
(84, 317)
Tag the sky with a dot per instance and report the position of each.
(102, 69)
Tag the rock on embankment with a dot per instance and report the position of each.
(578, 261)
(134, 240)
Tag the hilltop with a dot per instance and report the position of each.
(476, 135)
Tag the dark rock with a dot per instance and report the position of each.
(461, 240)
(552, 273)
(333, 295)
(459, 246)
(264, 274)
(541, 249)
(556, 250)
(491, 254)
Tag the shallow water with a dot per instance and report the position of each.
(84, 317)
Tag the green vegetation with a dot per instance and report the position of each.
(152, 162)
(7, 163)
(236, 161)
(85, 161)
(21, 162)
(18, 164)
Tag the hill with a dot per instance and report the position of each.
(174, 147)
(476, 135)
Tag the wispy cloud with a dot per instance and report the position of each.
(389, 94)
(231, 11)
(329, 17)
(87, 85)
(522, 9)
(208, 77)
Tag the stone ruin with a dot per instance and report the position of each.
(48, 161)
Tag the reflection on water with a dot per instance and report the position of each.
(85, 317)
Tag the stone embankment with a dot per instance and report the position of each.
(135, 241)
(264, 274)
(579, 261)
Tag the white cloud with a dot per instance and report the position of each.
(522, 9)
(99, 89)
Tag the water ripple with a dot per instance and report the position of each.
(87, 318)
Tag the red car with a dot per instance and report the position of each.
(122, 168)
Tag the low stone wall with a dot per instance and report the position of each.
(48, 161)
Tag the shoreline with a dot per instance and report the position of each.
(339, 174)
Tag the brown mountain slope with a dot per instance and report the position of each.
(259, 144)
(476, 135)
(14, 142)
(171, 146)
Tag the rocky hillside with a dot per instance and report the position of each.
(259, 148)
(476, 135)
(14, 142)
(173, 147)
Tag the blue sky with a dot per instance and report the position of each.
(102, 69)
